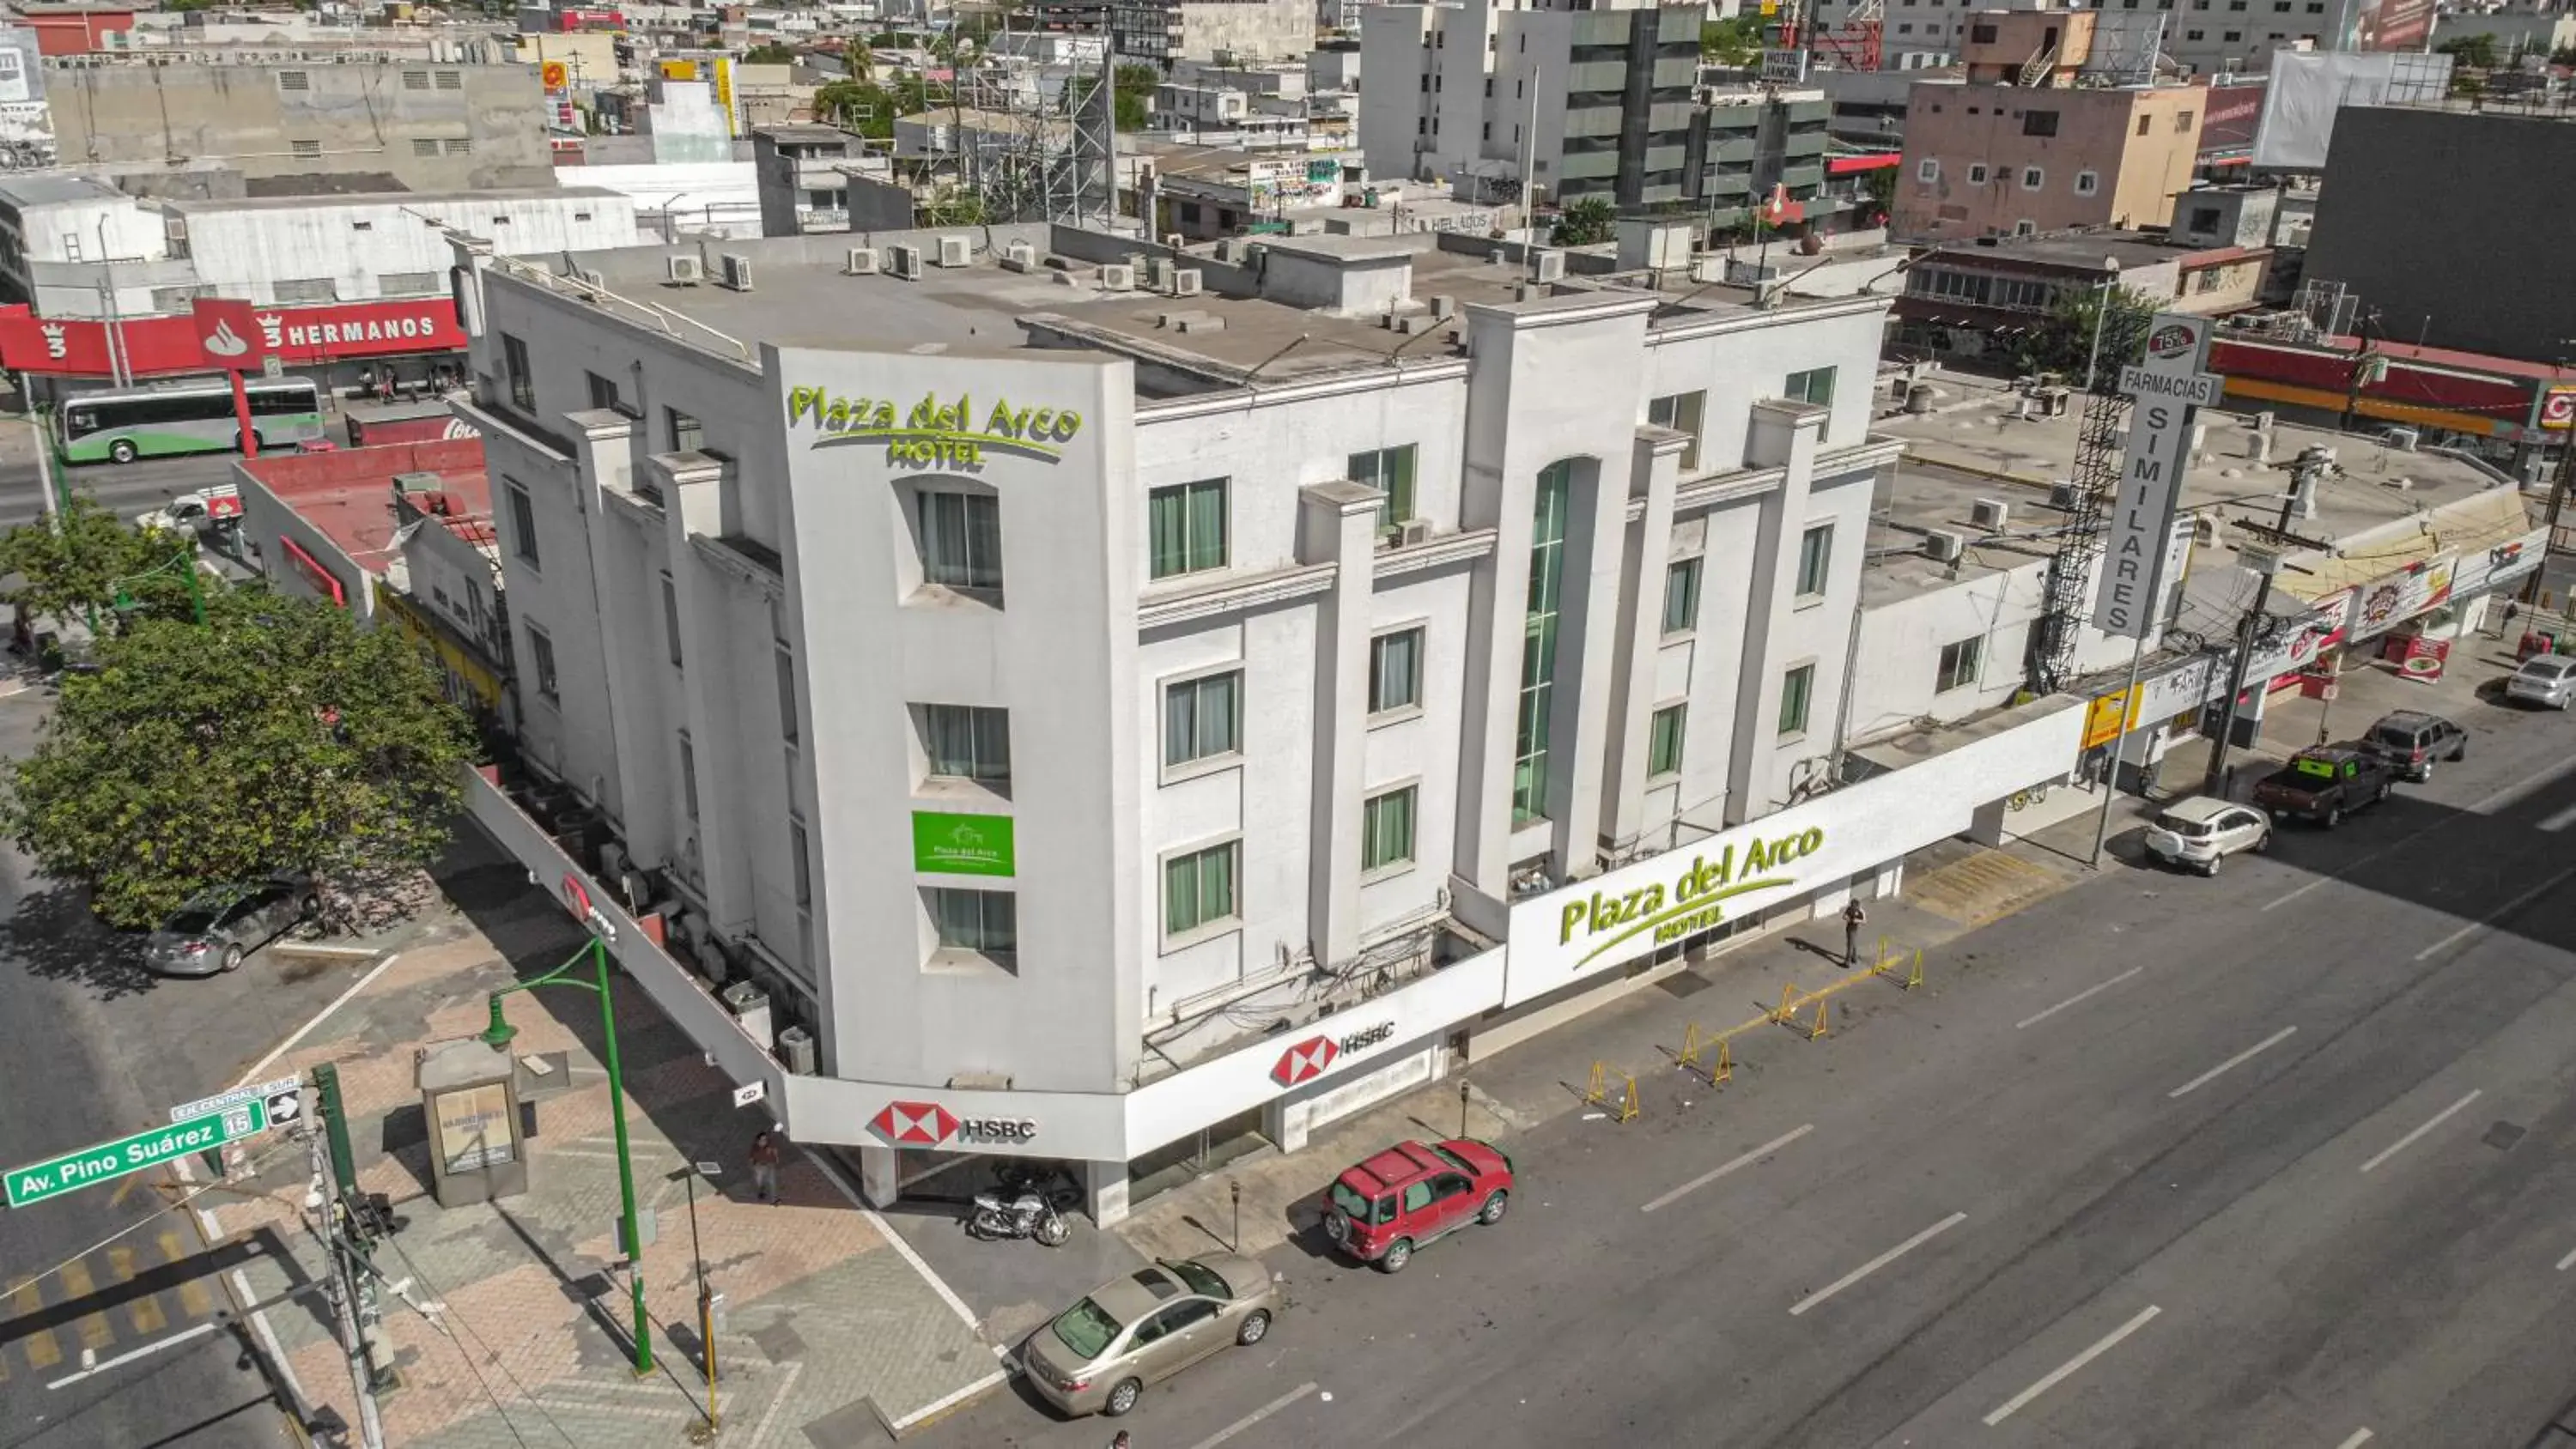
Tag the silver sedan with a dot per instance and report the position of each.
(1098, 1356)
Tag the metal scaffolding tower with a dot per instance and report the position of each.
(2099, 443)
(1023, 154)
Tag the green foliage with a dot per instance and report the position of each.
(2063, 341)
(953, 208)
(281, 735)
(861, 60)
(2478, 51)
(1135, 95)
(1585, 222)
(1881, 186)
(772, 53)
(863, 107)
(73, 570)
(1736, 41)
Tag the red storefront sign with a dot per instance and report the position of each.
(200, 342)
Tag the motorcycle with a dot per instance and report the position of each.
(1032, 1210)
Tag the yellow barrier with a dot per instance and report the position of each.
(1694, 1053)
(1792, 1000)
(1597, 1092)
(1628, 1100)
(1904, 967)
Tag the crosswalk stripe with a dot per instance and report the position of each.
(145, 1311)
(42, 1352)
(92, 1327)
(194, 1301)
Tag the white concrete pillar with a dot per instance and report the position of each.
(713, 676)
(880, 1176)
(1656, 468)
(603, 452)
(1104, 1187)
(1337, 524)
(1782, 435)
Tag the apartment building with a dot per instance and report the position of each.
(2029, 142)
(1058, 698)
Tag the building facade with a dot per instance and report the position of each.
(1042, 712)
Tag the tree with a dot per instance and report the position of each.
(861, 59)
(1736, 41)
(73, 568)
(1134, 95)
(2475, 51)
(2063, 341)
(772, 53)
(862, 107)
(280, 736)
(1584, 222)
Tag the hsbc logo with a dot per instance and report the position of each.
(1309, 1059)
(927, 1124)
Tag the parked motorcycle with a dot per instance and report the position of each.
(1029, 1213)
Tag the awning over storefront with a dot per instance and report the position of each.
(2409, 557)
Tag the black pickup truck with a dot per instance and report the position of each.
(2324, 785)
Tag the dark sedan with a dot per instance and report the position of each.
(218, 929)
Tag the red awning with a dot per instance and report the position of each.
(1872, 161)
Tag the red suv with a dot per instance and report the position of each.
(1403, 1198)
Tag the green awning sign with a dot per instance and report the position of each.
(947, 844)
(111, 1160)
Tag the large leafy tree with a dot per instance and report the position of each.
(279, 736)
(86, 562)
(1585, 222)
(2062, 343)
(1733, 41)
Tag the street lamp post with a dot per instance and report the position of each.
(689, 1175)
(187, 563)
(497, 1036)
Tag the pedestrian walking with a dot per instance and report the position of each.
(1120, 1442)
(1853, 916)
(764, 1167)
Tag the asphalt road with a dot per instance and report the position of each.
(2283, 1158)
(126, 490)
(95, 1050)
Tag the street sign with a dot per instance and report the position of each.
(91, 1166)
(2202, 389)
(750, 1092)
(220, 1100)
(1784, 67)
(2166, 386)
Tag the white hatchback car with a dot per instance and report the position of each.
(2548, 679)
(2202, 832)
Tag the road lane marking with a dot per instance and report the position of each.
(301, 1032)
(2066, 1370)
(2402, 1143)
(1730, 1165)
(2238, 1060)
(2560, 821)
(2505, 796)
(2567, 1262)
(78, 1286)
(1874, 1264)
(145, 1311)
(42, 1350)
(194, 1300)
(1256, 1416)
(2084, 995)
(2359, 1438)
(2492, 916)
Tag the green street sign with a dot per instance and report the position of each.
(111, 1160)
(949, 844)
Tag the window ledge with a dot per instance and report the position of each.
(949, 961)
(1390, 871)
(1194, 769)
(1678, 636)
(1404, 714)
(941, 596)
(1669, 777)
(959, 790)
(1805, 602)
(1201, 934)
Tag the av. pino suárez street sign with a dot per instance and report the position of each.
(111, 1160)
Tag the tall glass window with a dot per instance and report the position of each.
(1538, 644)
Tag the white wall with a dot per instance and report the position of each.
(356, 246)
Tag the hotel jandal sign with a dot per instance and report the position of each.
(942, 435)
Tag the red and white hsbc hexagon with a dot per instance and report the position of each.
(1305, 1061)
(914, 1124)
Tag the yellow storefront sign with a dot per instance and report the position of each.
(473, 674)
(2110, 717)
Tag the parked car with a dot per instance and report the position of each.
(217, 929)
(1097, 1356)
(2548, 679)
(2324, 785)
(2202, 832)
(1413, 1194)
(2411, 740)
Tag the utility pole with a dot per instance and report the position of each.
(339, 1284)
(2557, 506)
(2306, 474)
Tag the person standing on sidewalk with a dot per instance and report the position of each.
(1853, 916)
(764, 1167)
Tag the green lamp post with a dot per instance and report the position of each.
(498, 1035)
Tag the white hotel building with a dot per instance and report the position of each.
(1111, 724)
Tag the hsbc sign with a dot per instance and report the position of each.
(1309, 1059)
(927, 1124)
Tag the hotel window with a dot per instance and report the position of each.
(1682, 413)
(1389, 471)
(1395, 671)
(1681, 596)
(985, 923)
(603, 393)
(1186, 522)
(788, 728)
(1928, 170)
(967, 742)
(1664, 741)
(1386, 830)
(2032, 178)
(1815, 385)
(671, 617)
(800, 859)
(1976, 173)
(2089, 182)
(1538, 643)
(1198, 888)
(1203, 718)
(961, 540)
(1815, 560)
(686, 435)
(523, 379)
(1797, 690)
(523, 523)
(1959, 662)
(541, 654)
(688, 777)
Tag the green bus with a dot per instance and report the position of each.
(187, 417)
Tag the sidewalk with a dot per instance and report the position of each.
(829, 1337)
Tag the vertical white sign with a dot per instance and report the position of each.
(2137, 547)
